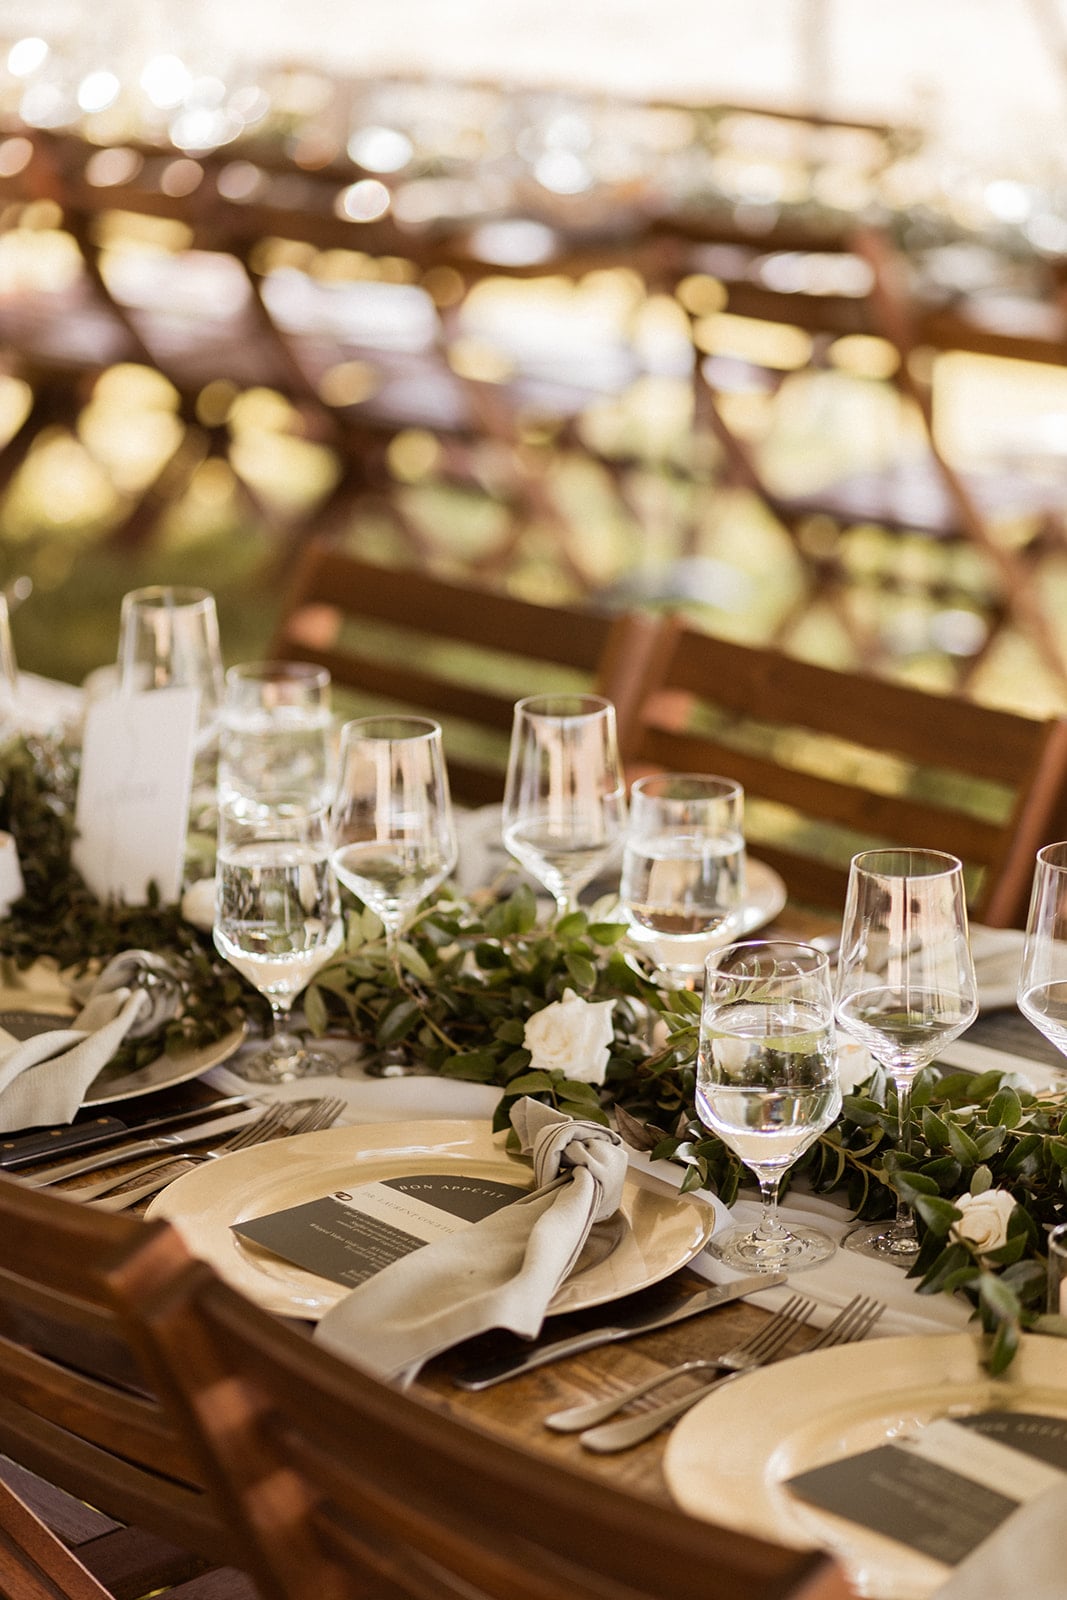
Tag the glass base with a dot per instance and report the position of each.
(789, 1250)
(883, 1241)
(397, 1063)
(285, 1057)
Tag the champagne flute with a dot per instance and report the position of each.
(565, 795)
(275, 733)
(1042, 991)
(905, 987)
(767, 1083)
(277, 919)
(683, 868)
(394, 839)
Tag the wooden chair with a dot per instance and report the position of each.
(90, 1442)
(345, 1488)
(833, 763)
(401, 638)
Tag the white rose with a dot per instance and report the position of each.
(572, 1036)
(854, 1064)
(198, 903)
(984, 1223)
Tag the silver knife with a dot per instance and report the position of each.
(642, 1320)
(178, 1140)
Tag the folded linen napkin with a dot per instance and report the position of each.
(499, 1273)
(1022, 1560)
(44, 1079)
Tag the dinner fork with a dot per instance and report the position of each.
(273, 1124)
(853, 1322)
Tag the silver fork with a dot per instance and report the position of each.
(273, 1124)
(757, 1348)
(853, 1322)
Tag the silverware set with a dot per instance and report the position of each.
(604, 1437)
(281, 1120)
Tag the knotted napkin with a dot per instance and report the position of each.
(43, 1079)
(500, 1272)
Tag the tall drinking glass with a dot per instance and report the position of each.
(565, 795)
(1042, 992)
(683, 868)
(767, 1083)
(277, 919)
(275, 734)
(394, 838)
(9, 675)
(905, 987)
(169, 639)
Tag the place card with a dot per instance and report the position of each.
(351, 1234)
(945, 1490)
(132, 811)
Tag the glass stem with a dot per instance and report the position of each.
(904, 1226)
(769, 1226)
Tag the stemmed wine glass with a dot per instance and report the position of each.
(905, 987)
(767, 1082)
(1042, 991)
(394, 838)
(565, 795)
(683, 868)
(277, 919)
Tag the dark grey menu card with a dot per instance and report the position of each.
(350, 1235)
(907, 1491)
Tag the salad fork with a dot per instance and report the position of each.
(273, 1124)
(851, 1323)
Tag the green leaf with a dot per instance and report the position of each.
(1005, 1345)
(607, 933)
(581, 970)
(981, 1180)
(397, 1022)
(963, 1146)
(1005, 1107)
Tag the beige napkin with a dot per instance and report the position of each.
(43, 1080)
(499, 1273)
(1025, 1559)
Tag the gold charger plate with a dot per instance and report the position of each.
(653, 1236)
(729, 1458)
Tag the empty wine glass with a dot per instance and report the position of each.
(565, 796)
(905, 987)
(277, 919)
(683, 868)
(275, 734)
(1042, 992)
(9, 676)
(767, 1083)
(394, 839)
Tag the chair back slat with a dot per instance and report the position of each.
(833, 763)
(395, 638)
(343, 1486)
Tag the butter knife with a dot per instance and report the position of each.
(199, 1133)
(625, 1325)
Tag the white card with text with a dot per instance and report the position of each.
(132, 813)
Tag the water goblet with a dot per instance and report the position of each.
(1042, 990)
(277, 919)
(394, 838)
(565, 795)
(767, 1083)
(683, 869)
(905, 988)
(275, 734)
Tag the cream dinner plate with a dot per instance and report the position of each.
(729, 1458)
(654, 1235)
(179, 1066)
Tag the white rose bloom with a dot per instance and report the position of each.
(984, 1223)
(198, 903)
(572, 1036)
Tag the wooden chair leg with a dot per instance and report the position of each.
(34, 1563)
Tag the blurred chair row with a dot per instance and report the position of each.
(831, 762)
(132, 1378)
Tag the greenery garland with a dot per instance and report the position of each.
(469, 975)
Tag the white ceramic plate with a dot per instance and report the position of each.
(655, 1234)
(164, 1072)
(728, 1458)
